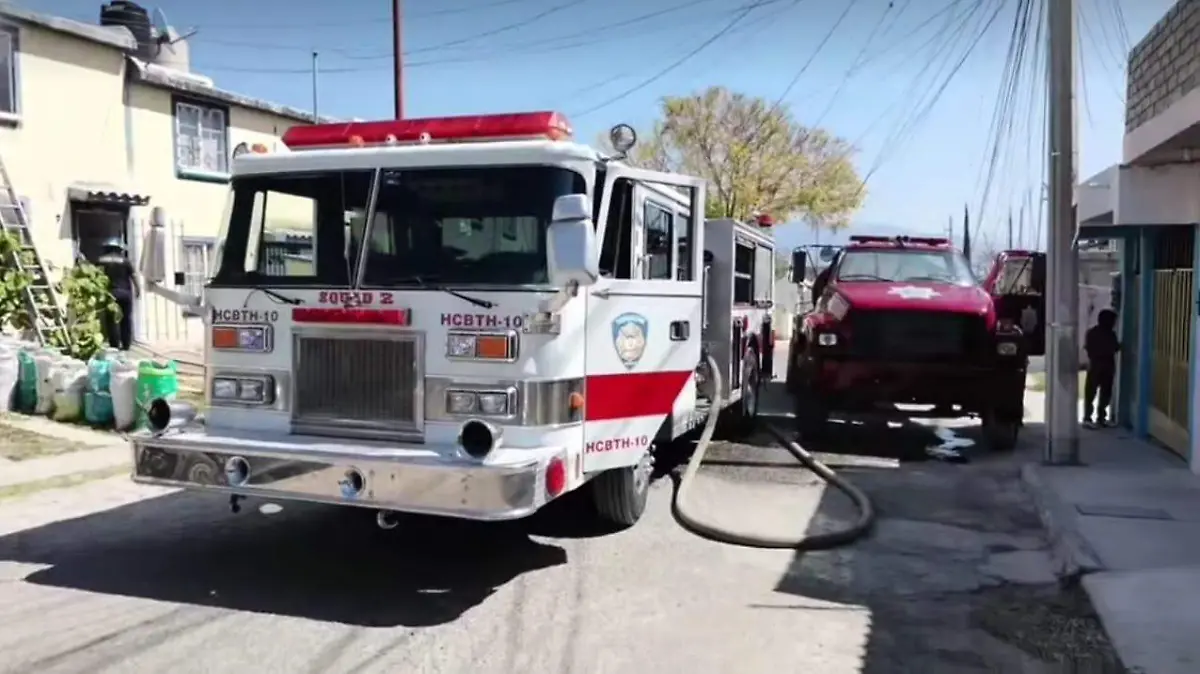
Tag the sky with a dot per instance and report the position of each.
(914, 85)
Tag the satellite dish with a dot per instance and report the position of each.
(163, 28)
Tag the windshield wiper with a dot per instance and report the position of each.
(861, 277)
(484, 304)
(277, 296)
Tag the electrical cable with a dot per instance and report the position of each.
(582, 39)
(742, 14)
(682, 510)
(476, 8)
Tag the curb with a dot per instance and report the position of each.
(1070, 553)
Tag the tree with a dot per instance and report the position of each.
(755, 157)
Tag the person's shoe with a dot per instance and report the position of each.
(1087, 423)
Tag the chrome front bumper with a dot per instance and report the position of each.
(414, 479)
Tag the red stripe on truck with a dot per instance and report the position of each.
(632, 394)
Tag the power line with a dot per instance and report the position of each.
(742, 14)
(374, 21)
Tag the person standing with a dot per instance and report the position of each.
(122, 280)
(1102, 346)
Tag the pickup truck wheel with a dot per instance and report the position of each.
(1000, 435)
(812, 416)
(619, 494)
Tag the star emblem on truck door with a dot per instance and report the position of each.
(914, 292)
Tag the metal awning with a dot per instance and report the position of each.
(104, 193)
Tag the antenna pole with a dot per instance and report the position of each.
(316, 117)
(398, 55)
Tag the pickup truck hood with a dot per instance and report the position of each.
(919, 296)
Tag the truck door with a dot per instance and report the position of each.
(1017, 284)
(644, 315)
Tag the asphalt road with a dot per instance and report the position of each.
(111, 577)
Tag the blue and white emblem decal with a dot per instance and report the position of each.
(629, 337)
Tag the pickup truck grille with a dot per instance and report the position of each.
(918, 336)
(343, 384)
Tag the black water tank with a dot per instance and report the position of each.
(132, 16)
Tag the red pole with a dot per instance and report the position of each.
(398, 56)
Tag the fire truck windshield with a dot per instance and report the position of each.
(464, 226)
(430, 227)
(905, 265)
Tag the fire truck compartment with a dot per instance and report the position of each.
(509, 484)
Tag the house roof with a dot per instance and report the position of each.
(190, 84)
(144, 73)
(117, 37)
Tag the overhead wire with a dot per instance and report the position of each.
(746, 10)
(1001, 133)
(373, 21)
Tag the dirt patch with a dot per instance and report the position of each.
(1053, 624)
(18, 444)
(61, 481)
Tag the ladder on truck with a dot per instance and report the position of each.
(46, 315)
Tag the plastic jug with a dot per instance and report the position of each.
(154, 380)
(10, 375)
(70, 382)
(122, 395)
(98, 370)
(46, 362)
(27, 380)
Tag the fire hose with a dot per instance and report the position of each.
(821, 541)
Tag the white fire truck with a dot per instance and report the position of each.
(480, 316)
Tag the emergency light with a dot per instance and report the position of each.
(472, 128)
(901, 240)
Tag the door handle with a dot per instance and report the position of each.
(680, 331)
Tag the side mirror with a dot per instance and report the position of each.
(799, 266)
(154, 255)
(571, 242)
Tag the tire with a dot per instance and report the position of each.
(812, 416)
(748, 406)
(1000, 436)
(619, 494)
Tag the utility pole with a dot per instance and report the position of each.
(967, 233)
(398, 55)
(316, 117)
(1010, 229)
(950, 228)
(1021, 222)
(1062, 396)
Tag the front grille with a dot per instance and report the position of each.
(917, 335)
(371, 384)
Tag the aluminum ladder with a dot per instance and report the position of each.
(42, 302)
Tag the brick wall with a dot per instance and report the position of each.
(1165, 65)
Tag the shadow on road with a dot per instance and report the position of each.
(327, 564)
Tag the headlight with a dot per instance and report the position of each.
(481, 346)
(827, 339)
(1006, 348)
(484, 403)
(247, 390)
(255, 339)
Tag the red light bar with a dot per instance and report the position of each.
(551, 125)
(901, 240)
(400, 317)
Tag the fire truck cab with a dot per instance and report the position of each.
(465, 317)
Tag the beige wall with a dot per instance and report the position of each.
(71, 128)
(199, 205)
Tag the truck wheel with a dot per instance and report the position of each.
(812, 416)
(747, 414)
(619, 494)
(1000, 436)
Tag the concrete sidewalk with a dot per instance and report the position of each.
(100, 452)
(1127, 524)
